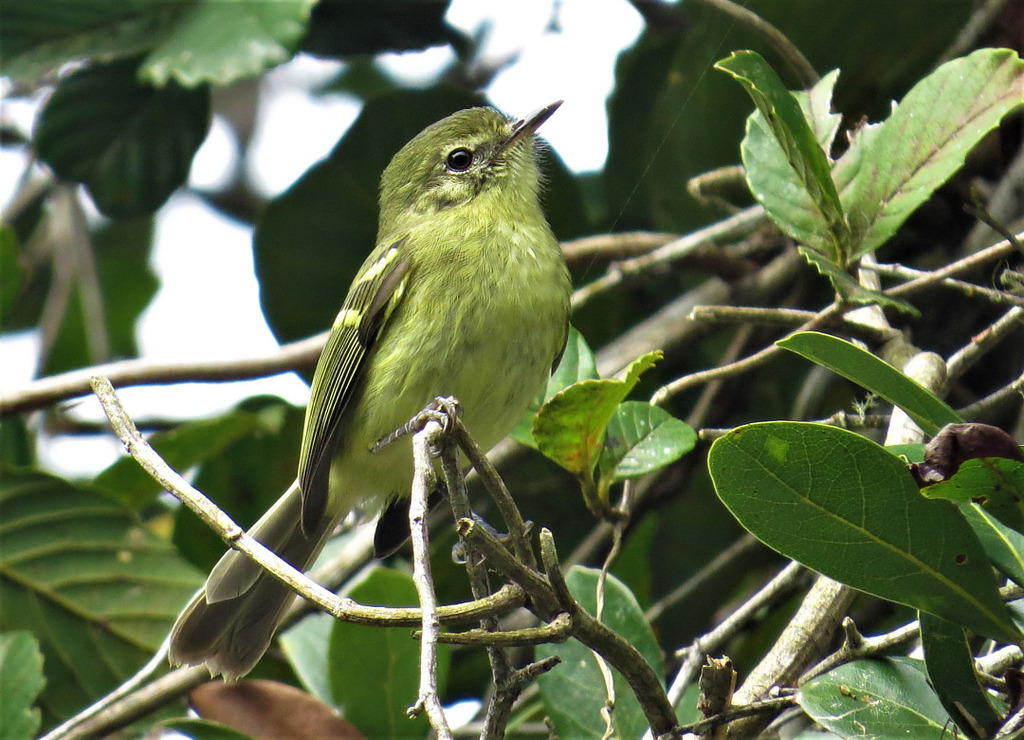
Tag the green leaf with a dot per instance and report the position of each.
(97, 589)
(346, 28)
(221, 42)
(775, 183)
(641, 438)
(130, 144)
(849, 289)
(875, 699)
(783, 117)
(574, 691)
(927, 410)
(570, 427)
(950, 666)
(183, 447)
(10, 271)
(21, 680)
(375, 672)
(845, 507)
(996, 483)
(39, 38)
(1004, 546)
(305, 647)
(927, 138)
(577, 364)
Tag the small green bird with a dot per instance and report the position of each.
(466, 294)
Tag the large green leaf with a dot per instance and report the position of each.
(842, 505)
(130, 144)
(927, 137)
(875, 699)
(574, 691)
(929, 411)
(997, 483)
(640, 439)
(950, 666)
(21, 680)
(96, 588)
(220, 42)
(374, 671)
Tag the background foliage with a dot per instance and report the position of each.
(93, 572)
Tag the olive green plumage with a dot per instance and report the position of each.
(466, 294)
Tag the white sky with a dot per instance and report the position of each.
(208, 303)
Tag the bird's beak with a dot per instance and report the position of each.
(527, 127)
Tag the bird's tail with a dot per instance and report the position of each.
(230, 622)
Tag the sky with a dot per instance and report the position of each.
(566, 49)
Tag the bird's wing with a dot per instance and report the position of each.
(374, 294)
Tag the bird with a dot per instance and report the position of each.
(465, 294)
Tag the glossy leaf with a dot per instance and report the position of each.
(221, 42)
(570, 427)
(641, 438)
(845, 507)
(927, 138)
(21, 680)
(130, 144)
(929, 411)
(574, 691)
(950, 666)
(100, 596)
(875, 699)
(374, 671)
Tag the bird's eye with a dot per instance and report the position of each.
(459, 160)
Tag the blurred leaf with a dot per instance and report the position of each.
(853, 512)
(574, 691)
(201, 729)
(782, 116)
(570, 427)
(21, 680)
(268, 709)
(246, 476)
(875, 698)
(305, 646)
(17, 443)
(927, 137)
(10, 272)
(130, 144)
(950, 666)
(40, 37)
(339, 28)
(995, 483)
(100, 592)
(577, 364)
(375, 671)
(311, 240)
(182, 447)
(220, 42)
(126, 283)
(641, 438)
(927, 410)
(361, 77)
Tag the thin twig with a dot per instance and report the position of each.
(967, 356)
(427, 699)
(998, 297)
